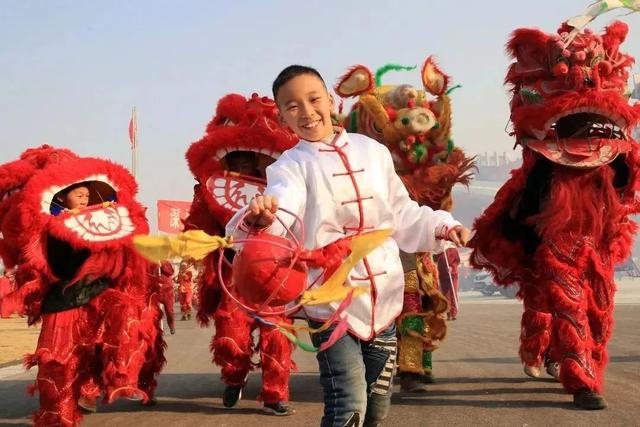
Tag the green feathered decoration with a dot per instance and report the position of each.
(450, 146)
(452, 89)
(391, 67)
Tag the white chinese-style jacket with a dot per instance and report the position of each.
(349, 186)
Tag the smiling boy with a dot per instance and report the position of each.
(342, 185)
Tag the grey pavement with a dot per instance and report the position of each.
(479, 381)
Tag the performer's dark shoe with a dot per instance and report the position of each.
(553, 369)
(184, 317)
(428, 379)
(412, 383)
(589, 399)
(231, 395)
(173, 331)
(136, 397)
(88, 406)
(279, 408)
(151, 402)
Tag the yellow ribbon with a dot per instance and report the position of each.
(333, 289)
(197, 244)
(191, 244)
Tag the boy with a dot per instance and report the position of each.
(184, 279)
(75, 197)
(341, 185)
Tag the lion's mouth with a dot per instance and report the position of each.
(100, 223)
(581, 124)
(102, 220)
(243, 177)
(587, 125)
(581, 138)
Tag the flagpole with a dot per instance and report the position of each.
(134, 143)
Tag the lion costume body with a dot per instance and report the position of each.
(249, 128)
(77, 272)
(562, 222)
(415, 125)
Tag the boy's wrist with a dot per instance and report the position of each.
(443, 230)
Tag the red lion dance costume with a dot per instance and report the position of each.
(561, 223)
(167, 295)
(185, 292)
(228, 163)
(78, 273)
(415, 125)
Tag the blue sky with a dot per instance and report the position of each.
(71, 70)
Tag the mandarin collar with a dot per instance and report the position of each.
(337, 139)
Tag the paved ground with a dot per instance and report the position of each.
(16, 339)
(480, 381)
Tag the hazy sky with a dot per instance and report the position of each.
(71, 70)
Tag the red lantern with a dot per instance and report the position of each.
(267, 271)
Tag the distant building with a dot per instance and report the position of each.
(495, 167)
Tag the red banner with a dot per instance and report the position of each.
(133, 129)
(170, 215)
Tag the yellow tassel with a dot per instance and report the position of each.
(191, 244)
(333, 289)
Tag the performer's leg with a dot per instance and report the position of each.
(89, 394)
(154, 362)
(59, 361)
(189, 304)
(125, 342)
(427, 365)
(453, 302)
(275, 357)
(413, 375)
(342, 376)
(600, 316)
(572, 342)
(535, 332)
(182, 299)
(380, 359)
(169, 312)
(232, 343)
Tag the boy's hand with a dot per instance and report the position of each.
(459, 235)
(262, 210)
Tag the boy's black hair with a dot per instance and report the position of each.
(62, 194)
(289, 73)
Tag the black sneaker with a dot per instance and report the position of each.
(279, 408)
(428, 379)
(589, 399)
(232, 394)
(412, 383)
(88, 406)
(151, 402)
(553, 369)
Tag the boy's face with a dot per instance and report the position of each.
(78, 198)
(305, 106)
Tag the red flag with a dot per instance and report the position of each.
(133, 128)
(171, 214)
